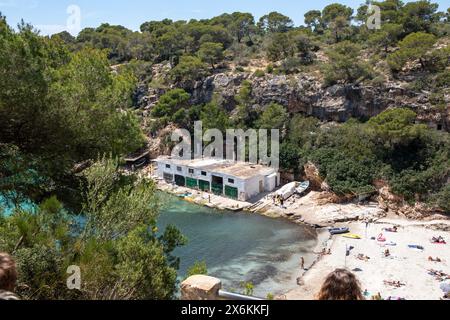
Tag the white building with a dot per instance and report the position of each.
(236, 180)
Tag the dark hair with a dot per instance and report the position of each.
(8, 272)
(341, 284)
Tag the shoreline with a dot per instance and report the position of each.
(409, 266)
(417, 284)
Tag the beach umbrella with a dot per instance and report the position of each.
(445, 286)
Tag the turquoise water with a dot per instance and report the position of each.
(7, 208)
(237, 247)
(241, 247)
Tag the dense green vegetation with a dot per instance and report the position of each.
(390, 147)
(115, 243)
(59, 111)
(66, 101)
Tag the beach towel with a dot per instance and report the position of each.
(415, 246)
(445, 286)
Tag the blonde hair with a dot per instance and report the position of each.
(341, 284)
(8, 272)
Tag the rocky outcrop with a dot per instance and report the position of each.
(158, 145)
(312, 174)
(388, 201)
(306, 94)
(225, 85)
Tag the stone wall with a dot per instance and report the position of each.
(306, 94)
(200, 288)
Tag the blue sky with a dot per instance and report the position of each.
(51, 15)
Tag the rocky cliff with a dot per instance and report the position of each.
(306, 94)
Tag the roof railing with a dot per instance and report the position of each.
(235, 296)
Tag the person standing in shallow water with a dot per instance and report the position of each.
(341, 284)
(8, 277)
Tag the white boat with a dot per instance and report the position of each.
(287, 191)
(302, 187)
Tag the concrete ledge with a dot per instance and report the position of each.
(200, 288)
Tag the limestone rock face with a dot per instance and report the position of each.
(312, 174)
(306, 94)
(388, 201)
(157, 145)
(225, 85)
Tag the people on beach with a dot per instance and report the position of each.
(302, 263)
(377, 297)
(8, 277)
(387, 253)
(431, 259)
(363, 257)
(438, 240)
(341, 284)
(396, 284)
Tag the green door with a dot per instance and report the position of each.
(191, 183)
(180, 180)
(231, 192)
(217, 189)
(204, 185)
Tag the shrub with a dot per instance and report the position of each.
(259, 73)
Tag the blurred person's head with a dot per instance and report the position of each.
(341, 284)
(8, 272)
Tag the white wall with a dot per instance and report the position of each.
(270, 182)
(252, 186)
(247, 189)
(162, 169)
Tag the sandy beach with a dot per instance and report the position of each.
(408, 266)
(376, 272)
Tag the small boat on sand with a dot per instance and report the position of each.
(302, 187)
(185, 195)
(334, 231)
(189, 199)
(351, 236)
(287, 191)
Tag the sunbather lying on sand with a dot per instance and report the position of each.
(362, 257)
(431, 259)
(324, 252)
(439, 275)
(438, 240)
(396, 284)
(393, 229)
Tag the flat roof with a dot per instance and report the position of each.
(240, 170)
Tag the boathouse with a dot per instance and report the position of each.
(137, 159)
(236, 180)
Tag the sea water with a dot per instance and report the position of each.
(237, 247)
(241, 247)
